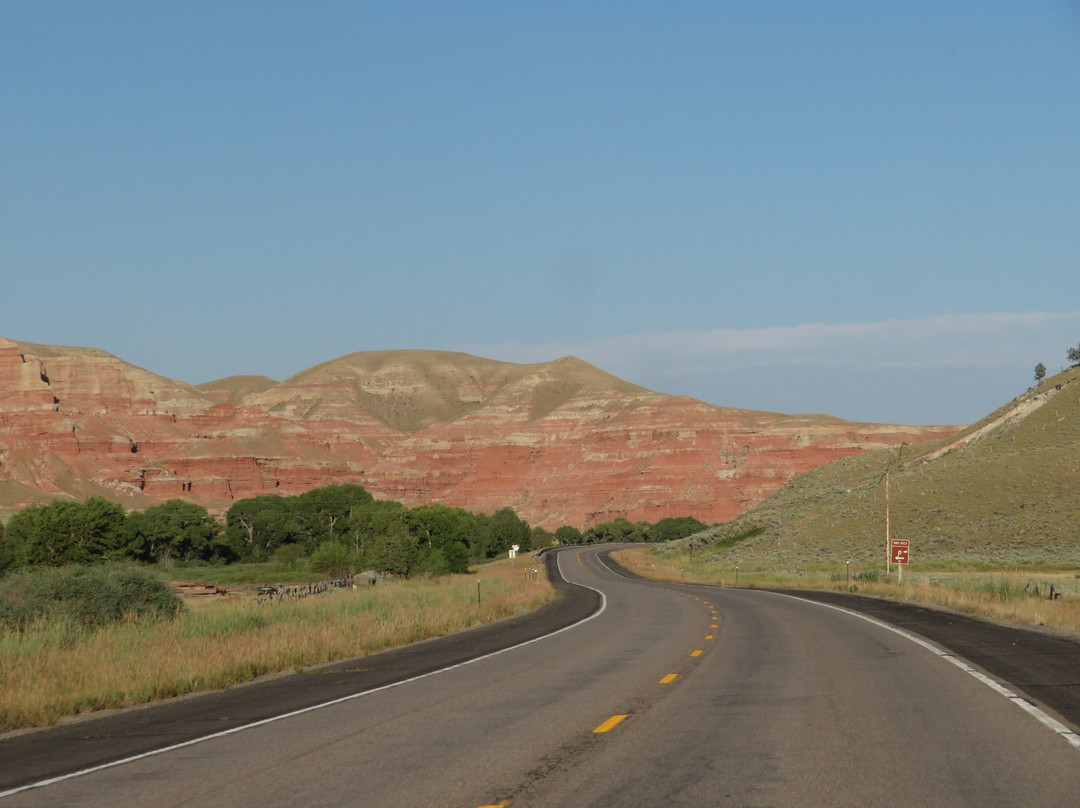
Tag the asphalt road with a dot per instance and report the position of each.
(727, 697)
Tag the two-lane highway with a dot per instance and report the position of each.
(801, 705)
(669, 694)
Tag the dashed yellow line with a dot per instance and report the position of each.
(710, 636)
(611, 723)
(699, 652)
(502, 804)
(671, 677)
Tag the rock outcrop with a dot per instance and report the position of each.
(561, 442)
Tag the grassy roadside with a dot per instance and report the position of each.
(1009, 596)
(56, 670)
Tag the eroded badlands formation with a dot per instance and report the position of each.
(561, 442)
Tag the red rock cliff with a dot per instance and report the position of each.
(561, 442)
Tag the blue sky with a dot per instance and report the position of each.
(867, 209)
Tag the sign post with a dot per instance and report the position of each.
(900, 552)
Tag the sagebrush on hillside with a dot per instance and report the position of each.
(1003, 491)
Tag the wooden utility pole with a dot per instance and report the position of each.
(888, 543)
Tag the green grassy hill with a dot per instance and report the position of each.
(1004, 491)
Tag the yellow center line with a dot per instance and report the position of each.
(699, 652)
(671, 677)
(502, 804)
(611, 723)
(709, 636)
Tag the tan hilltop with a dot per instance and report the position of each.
(561, 442)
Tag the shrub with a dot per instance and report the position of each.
(289, 555)
(333, 559)
(90, 596)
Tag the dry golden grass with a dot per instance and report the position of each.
(1007, 597)
(999, 598)
(54, 671)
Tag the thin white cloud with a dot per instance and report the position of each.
(936, 341)
(944, 369)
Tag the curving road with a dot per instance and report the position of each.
(702, 696)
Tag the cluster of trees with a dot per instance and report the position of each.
(63, 532)
(339, 528)
(344, 526)
(623, 530)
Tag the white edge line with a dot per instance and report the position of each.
(283, 716)
(1040, 715)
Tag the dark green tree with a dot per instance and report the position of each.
(174, 529)
(443, 535)
(673, 528)
(256, 527)
(321, 512)
(393, 548)
(380, 536)
(12, 555)
(368, 523)
(63, 532)
(568, 535)
(1040, 372)
(617, 530)
(436, 525)
(499, 532)
(456, 555)
(446, 560)
(1073, 355)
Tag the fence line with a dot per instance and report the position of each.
(280, 592)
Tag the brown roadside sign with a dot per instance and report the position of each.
(900, 549)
